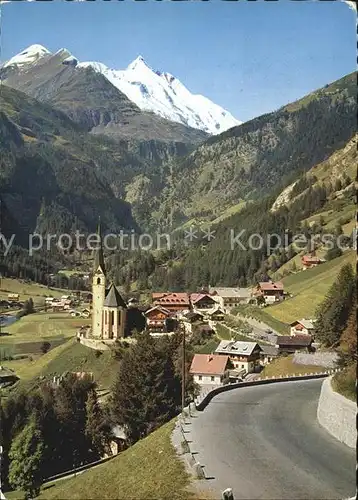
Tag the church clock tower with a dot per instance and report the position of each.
(98, 288)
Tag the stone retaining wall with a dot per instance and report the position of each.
(337, 414)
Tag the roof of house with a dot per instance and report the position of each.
(174, 298)
(216, 311)
(226, 292)
(236, 347)
(7, 373)
(209, 364)
(307, 323)
(158, 295)
(113, 298)
(205, 328)
(297, 340)
(159, 308)
(192, 314)
(310, 258)
(268, 350)
(195, 297)
(270, 285)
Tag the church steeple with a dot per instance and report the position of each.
(98, 287)
(98, 258)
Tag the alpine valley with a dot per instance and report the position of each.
(79, 140)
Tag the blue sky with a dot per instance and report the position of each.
(249, 57)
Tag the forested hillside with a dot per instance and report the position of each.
(55, 177)
(50, 171)
(248, 161)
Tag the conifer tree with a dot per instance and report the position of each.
(332, 314)
(26, 455)
(96, 430)
(146, 393)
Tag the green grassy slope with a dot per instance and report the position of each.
(247, 161)
(308, 288)
(148, 470)
(70, 356)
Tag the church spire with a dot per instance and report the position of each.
(98, 259)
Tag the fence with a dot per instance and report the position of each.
(78, 469)
(197, 469)
(206, 397)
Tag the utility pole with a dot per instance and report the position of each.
(1, 268)
(183, 369)
(2, 497)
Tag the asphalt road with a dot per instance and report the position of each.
(265, 443)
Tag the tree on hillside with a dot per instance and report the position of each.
(29, 306)
(332, 314)
(348, 341)
(96, 430)
(175, 346)
(26, 455)
(45, 347)
(146, 393)
(70, 410)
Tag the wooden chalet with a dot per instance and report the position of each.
(243, 355)
(157, 318)
(202, 301)
(289, 344)
(309, 261)
(270, 291)
(217, 315)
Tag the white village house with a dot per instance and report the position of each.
(209, 369)
(231, 297)
(243, 355)
(302, 327)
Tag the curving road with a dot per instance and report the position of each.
(265, 443)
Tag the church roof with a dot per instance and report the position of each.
(113, 298)
(98, 258)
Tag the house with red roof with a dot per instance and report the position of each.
(303, 327)
(309, 261)
(174, 302)
(210, 369)
(203, 301)
(157, 318)
(271, 291)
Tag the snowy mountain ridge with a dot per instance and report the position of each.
(150, 90)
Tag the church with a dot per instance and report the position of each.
(109, 311)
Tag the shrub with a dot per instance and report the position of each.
(45, 347)
(344, 382)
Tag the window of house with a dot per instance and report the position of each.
(242, 366)
(212, 379)
(200, 377)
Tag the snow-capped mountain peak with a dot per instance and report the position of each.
(163, 94)
(28, 56)
(138, 62)
(156, 91)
